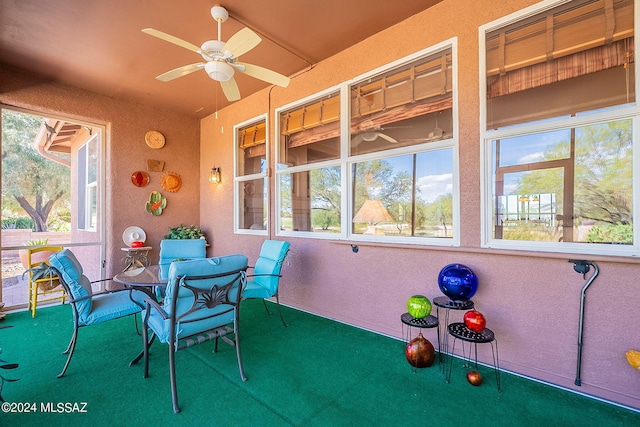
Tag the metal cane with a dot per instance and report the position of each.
(582, 267)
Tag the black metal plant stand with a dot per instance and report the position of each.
(460, 331)
(447, 304)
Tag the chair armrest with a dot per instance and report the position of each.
(264, 274)
(93, 295)
(74, 300)
(150, 302)
(98, 293)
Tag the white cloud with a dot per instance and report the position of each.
(531, 158)
(433, 186)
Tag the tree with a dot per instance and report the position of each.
(29, 180)
(602, 175)
(325, 196)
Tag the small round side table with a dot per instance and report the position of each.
(448, 304)
(460, 331)
(135, 257)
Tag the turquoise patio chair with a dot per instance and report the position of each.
(202, 303)
(265, 280)
(172, 249)
(89, 308)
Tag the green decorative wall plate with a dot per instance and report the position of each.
(156, 203)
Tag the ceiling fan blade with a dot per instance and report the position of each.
(263, 74)
(387, 137)
(180, 71)
(242, 42)
(356, 140)
(230, 89)
(172, 39)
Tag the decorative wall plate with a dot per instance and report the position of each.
(155, 165)
(140, 178)
(154, 139)
(171, 181)
(156, 204)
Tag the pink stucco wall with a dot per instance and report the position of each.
(531, 300)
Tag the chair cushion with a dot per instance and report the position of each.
(267, 269)
(274, 249)
(256, 290)
(171, 249)
(113, 305)
(70, 271)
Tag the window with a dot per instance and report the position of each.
(88, 185)
(560, 116)
(374, 159)
(251, 176)
(402, 152)
(309, 173)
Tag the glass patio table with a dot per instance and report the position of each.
(146, 279)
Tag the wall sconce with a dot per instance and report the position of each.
(214, 175)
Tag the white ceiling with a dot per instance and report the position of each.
(98, 45)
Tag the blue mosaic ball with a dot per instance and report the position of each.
(458, 282)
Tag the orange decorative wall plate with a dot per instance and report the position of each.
(154, 139)
(171, 181)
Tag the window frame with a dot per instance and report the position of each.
(346, 161)
(240, 180)
(614, 113)
(340, 89)
(88, 188)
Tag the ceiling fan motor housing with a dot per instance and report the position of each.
(212, 49)
(219, 13)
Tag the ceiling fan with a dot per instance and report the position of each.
(221, 58)
(371, 135)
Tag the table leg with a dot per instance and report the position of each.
(139, 356)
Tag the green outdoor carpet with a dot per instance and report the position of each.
(316, 372)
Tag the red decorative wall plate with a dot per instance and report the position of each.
(140, 178)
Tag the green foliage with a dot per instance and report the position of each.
(602, 173)
(31, 183)
(610, 233)
(37, 242)
(22, 223)
(325, 219)
(184, 232)
(40, 271)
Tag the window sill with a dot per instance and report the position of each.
(491, 251)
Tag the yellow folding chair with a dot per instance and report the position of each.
(47, 286)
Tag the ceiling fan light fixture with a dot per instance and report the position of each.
(369, 136)
(219, 70)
